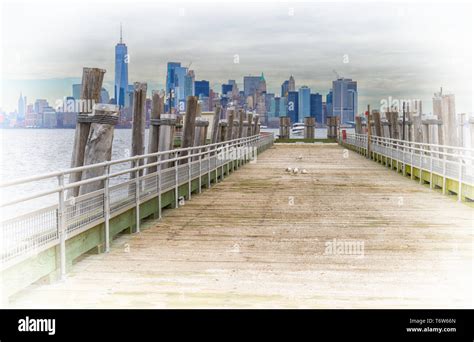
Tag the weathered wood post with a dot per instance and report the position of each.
(241, 123)
(167, 132)
(222, 130)
(90, 94)
(215, 125)
(138, 124)
(256, 128)
(249, 128)
(99, 144)
(154, 132)
(189, 125)
(230, 124)
(309, 123)
(417, 128)
(284, 127)
(358, 124)
(377, 123)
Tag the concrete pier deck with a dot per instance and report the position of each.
(262, 238)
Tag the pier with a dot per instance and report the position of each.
(259, 237)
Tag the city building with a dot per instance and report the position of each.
(201, 88)
(104, 96)
(291, 84)
(170, 84)
(304, 102)
(251, 84)
(284, 88)
(21, 107)
(40, 105)
(328, 104)
(292, 106)
(121, 72)
(316, 104)
(76, 91)
(344, 104)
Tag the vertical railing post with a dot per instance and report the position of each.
(191, 152)
(158, 182)
(209, 166)
(137, 195)
(62, 228)
(200, 168)
(176, 179)
(460, 180)
(431, 167)
(421, 162)
(107, 208)
(411, 161)
(444, 173)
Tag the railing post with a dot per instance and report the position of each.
(62, 229)
(209, 167)
(224, 161)
(137, 195)
(460, 181)
(158, 182)
(189, 173)
(107, 209)
(200, 168)
(431, 168)
(176, 179)
(444, 173)
(421, 163)
(411, 161)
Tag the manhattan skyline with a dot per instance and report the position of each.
(411, 57)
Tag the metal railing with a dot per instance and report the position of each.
(28, 234)
(448, 162)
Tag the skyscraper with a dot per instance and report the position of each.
(329, 104)
(21, 107)
(251, 84)
(304, 103)
(291, 84)
(317, 108)
(170, 84)
(284, 88)
(201, 88)
(292, 106)
(179, 87)
(344, 101)
(121, 72)
(76, 91)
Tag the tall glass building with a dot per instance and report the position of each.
(292, 106)
(316, 101)
(304, 103)
(121, 72)
(170, 83)
(344, 104)
(201, 88)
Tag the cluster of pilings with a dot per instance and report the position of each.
(410, 126)
(95, 129)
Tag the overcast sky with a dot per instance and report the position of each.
(404, 51)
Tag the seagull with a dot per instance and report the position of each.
(289, 169)
(295, 170)
(300, 157)
(304, 171)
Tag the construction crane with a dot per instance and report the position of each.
(337, 75)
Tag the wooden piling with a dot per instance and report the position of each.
(241, 123)
(138, 124)
(92, 79)
(377, 123)
(189, 125)
(256, 128)
(99, 144)
(215, 125)
(284, 127)
(154, 131)
(249, 128)
(230, 124)
(309, 123)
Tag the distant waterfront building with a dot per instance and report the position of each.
(121, 72)
(76, 91)
(251, 84)
(170, 83)
(304, 102)
(49, 118)
(189, 83)
(226, 88)
(316, 101)
(284, 88)
(292, 106)
(104, 96)
(21, 107)
(344, 99)
(329, 104)
(180, 74)
(291, 84)
(40, 105)
(201, 88)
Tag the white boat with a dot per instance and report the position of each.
(297, 128)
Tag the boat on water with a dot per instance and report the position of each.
(297, 128)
